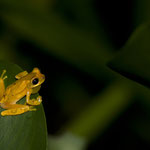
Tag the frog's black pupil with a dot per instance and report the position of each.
(35, 81)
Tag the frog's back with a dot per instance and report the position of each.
(17, 87)
(15, 91)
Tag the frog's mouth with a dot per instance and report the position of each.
(42, 79)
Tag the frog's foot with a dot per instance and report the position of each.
(2, 75)
(31, 108)
(36, 101)
(16, 109)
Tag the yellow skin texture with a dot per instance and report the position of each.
(25, 85)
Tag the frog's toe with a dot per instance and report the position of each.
(39, 99)
(3, 113)
(32, 108)
(2, 75)
(5, 77)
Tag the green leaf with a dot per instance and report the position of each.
(133, 61)
(141, 11)
(22, 132)
(103, 110)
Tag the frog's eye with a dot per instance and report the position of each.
(35, 81)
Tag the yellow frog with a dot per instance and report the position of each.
(26, 84)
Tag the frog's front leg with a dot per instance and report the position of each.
(2, 85)
(21, 74)
(16, 109)
(33, 102)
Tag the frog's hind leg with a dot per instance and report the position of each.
(16, 109)
(2, 85)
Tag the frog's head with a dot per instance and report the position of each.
(37, 79)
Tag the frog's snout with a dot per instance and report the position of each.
(43, 77)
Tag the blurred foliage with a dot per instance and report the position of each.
(104, 108)
(67, 141)
(76, 46)
(72, 41)
(133, 60)
(141, 12)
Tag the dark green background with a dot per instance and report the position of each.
(74, 43)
